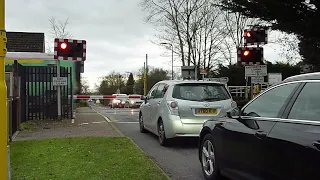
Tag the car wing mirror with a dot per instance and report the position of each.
(234, 113)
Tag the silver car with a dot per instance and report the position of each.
(179, 108)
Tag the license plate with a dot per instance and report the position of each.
(206, 111)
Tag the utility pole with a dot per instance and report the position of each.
(171, 61)
(171, 57)
(4, 146)
(145, 76)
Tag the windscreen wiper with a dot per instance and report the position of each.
(211, 99)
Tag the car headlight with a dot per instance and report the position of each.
(123, 102)
(132, 102)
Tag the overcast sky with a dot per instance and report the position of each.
(117, 37)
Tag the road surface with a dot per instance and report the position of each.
(179, 161)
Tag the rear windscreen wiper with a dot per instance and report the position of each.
(211, 99)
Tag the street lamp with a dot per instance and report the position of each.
(171, 57)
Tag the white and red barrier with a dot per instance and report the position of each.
(104, 97)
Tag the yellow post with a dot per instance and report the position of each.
(144, 80)
(3, 98)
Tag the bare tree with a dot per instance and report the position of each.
(235, 24)
(85, 88)
(287, 44)
(191, 26)
(58, 29)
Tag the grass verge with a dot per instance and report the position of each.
(81, 158)
(29, 125)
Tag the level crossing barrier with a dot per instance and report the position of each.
(105, 97)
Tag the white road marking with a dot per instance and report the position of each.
(98, 122)
(72, 121)
(106, 118)
(123, 122)
(83, 124)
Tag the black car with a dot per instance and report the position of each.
(275, 136)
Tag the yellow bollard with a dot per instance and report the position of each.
(4, 147)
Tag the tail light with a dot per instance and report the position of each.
(173, 107)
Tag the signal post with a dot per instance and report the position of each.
(66, 49)
(4, 146)
(251, 56)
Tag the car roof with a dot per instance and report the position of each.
(301, 77)
(174, 82)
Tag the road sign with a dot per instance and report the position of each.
(203, 71)
(256, 70)
(60, 81)
(257, 79)
(274, 78)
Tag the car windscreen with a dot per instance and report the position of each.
(200, 92)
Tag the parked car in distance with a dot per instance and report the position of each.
(120, 101)
(135, 103)
(179, 108)
(275, 136)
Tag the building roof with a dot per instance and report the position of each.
(25, 42)
(29, 55)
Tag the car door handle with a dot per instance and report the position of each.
(316, 144)
(260, 134)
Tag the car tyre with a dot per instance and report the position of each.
(162, 134)
(209, 163)
(141, 125)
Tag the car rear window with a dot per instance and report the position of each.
(200, 92)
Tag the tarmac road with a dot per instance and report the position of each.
(179, 161)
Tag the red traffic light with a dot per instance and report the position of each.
(246, 53)
(247, 34)
(69, 49)
(63, 45)
(253, 55)
(255, 36)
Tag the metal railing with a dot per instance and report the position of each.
(239, 91)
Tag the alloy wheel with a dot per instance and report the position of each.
(161, 132)
(208, 158)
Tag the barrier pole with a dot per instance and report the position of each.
(145, 80)
(4, 145)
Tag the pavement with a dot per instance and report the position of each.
(179, 161)
(86, 123)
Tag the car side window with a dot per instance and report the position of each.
(269, 103)
(162, 88)
(152, 92)
(307, 105)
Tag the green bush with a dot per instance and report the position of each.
(82, 104)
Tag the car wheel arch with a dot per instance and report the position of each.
(203, 133)
(159, 119)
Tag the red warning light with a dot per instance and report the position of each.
(246, 53)
(63, 45)
(247, 34)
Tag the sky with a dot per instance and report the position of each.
(117, 37)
